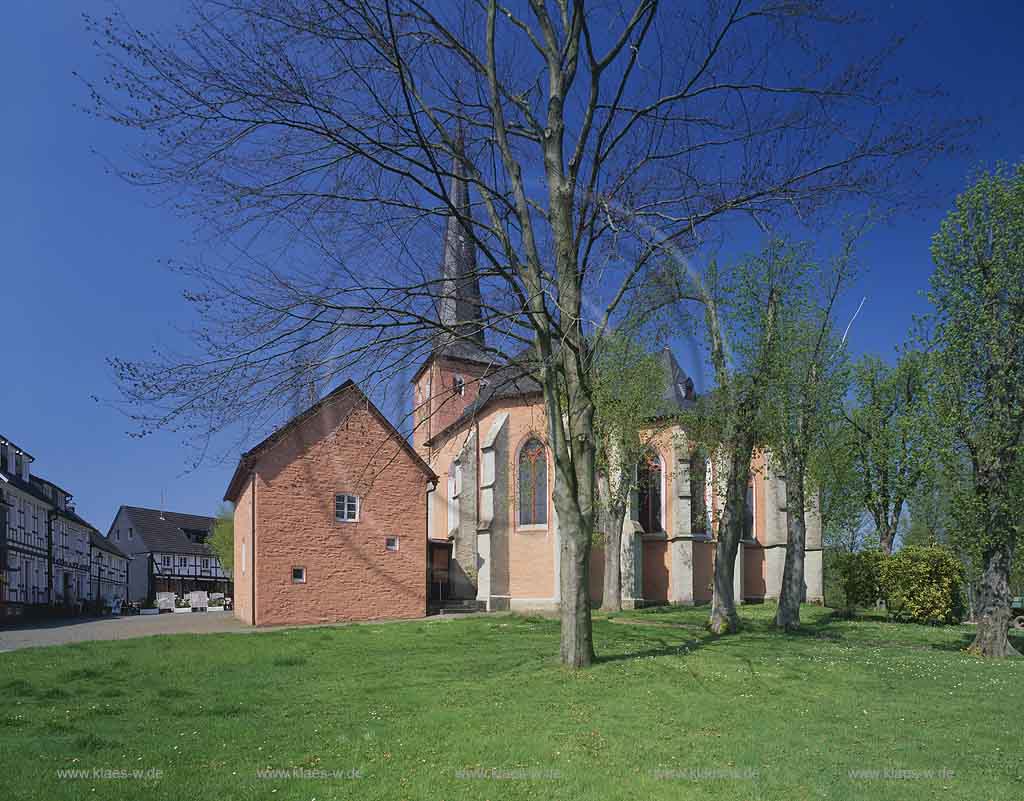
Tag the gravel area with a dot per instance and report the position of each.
(60, 632)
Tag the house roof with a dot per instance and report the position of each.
(97, 540)
(165, 531)
(74, 517)
(248, 458)
(679, 393)
(29, 487)
(459, 350)
(515, 379)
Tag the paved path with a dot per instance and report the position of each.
(60, 632)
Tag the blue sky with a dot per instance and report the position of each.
(82, 279)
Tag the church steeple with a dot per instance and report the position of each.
(459, 307)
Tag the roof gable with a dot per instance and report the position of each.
(348, 390)
(101, 543)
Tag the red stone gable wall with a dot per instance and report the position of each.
(350, 575)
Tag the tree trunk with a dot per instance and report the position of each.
(577, 647)
(724, 618)
(887, 537)
(793, 588)
(574, 450)
(611, 598)
(613, 487)
(994, 605)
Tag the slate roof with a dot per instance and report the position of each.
(679, 394)
(512, 380)
(6, 441)
(464, 350)
(165, 531)
(74, 517)
(97, 540)
(516, 380)
(459, 303)
(27, 486)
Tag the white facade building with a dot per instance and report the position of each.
(47, 552)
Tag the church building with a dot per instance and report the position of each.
(338, 517)
(492, 529)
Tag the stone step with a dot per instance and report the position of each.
(457, 607)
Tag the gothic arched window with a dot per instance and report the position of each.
(648, 480)
(533, 484)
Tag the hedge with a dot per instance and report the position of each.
(923, 584)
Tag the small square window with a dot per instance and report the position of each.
(391, 543)
(206, 563)
(167, 561)
(182, 561)
(346, 508)
(298, 575)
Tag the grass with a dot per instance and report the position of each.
(477, 708)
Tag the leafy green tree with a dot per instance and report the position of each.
(802, 392)
(976, 334)
(741, 306)
(931, 520)
(628, 386)
(222, 540)
(883, 432)
(832, 470)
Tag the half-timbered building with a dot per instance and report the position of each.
(169, 552)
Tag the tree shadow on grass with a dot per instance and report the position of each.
(830, 626)
(963, 643)
(655, 646)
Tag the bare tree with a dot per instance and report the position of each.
(316, 141)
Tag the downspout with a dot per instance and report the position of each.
(3, 549)
(50, 514)
(431, 485)
(252, 537)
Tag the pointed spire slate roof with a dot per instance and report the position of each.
(459, 304)
(679, 392)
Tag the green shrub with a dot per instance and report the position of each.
(923, 584)
(859, 577)
(835, 595)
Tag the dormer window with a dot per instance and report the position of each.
(197, 535)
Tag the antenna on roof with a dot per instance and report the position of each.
(161, 504)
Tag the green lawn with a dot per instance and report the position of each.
(477, 708)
